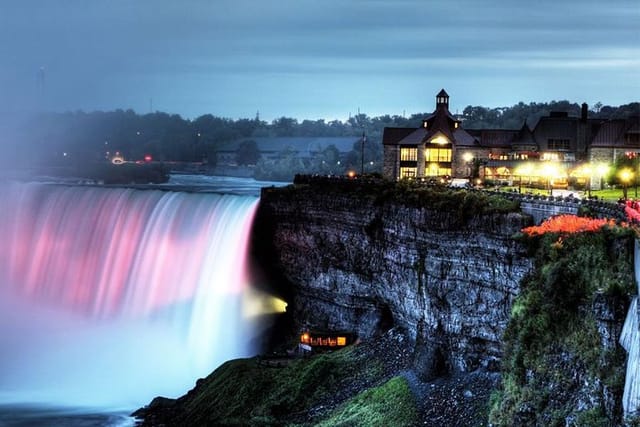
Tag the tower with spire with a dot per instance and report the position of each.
(429, 151)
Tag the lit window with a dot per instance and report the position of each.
(437, 155)
(408, 172)
(503, 171)
(434, 169)
(409, 154)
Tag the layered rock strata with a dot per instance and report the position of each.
(356, 262)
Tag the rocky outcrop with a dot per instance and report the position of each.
(474, 323)
(357, 261)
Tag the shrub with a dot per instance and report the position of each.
(552, 330)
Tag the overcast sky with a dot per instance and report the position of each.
(314, 58)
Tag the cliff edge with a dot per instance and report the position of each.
(461, 319)
(440, 265)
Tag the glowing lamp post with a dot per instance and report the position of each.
(550, 171)
(587, 172)
(625, 176)
(635, 186)
(524, 170)
(602, 170)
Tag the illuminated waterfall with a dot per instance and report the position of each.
(109, 297)
(630, 340)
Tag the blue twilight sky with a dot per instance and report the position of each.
(314, 58)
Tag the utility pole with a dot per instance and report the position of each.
(364, 139)
(40, 89)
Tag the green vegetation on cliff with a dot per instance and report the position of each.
(390, 404)
(460, 203)
(557, 367)
(268, 394)
(257, 392)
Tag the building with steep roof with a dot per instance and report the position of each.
(614, 138)
(442, 148)
(428, 151)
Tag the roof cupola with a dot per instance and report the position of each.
(442, 99)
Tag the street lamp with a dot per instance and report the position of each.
(635, 185)
(625, 176)
(550, 170)
(602, 169)
(587, 169)
(523, 170)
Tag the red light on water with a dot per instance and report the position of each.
(148, 158)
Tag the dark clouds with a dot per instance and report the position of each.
(308, 58)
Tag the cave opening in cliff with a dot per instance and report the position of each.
(385, 321)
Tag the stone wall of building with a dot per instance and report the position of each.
(460, 167)
(390, 168)
(601, 155)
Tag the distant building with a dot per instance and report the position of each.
(442, 148)
(272, 148)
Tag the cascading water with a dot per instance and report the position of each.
(630, 340)
(109, 297)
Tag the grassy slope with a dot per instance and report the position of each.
(390, 404)
(245, 392)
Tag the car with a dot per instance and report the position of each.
(459, 183)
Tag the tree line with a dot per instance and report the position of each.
(58, 137)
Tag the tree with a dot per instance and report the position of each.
(283, 168)
(284, 126)
(248, 153)
(327, 161)
(625, 172)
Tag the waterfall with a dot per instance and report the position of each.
(630, 340)
(109, 297)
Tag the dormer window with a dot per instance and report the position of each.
(455, 125)
(425, 124)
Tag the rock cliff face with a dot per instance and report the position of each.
(355, 261)
(440, 272)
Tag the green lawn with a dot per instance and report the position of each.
(609, 194)
(613, 194)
